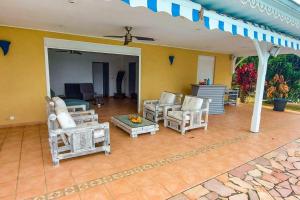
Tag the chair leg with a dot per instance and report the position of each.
(55, 162)
(206, 117)
(155, 118)
(107, 150)
(182, 128)
(165, 122)
(205, 127)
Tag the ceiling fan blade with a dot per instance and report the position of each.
(114, 36)
(144, 38)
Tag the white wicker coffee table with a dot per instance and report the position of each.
(134, 129)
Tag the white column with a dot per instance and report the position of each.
(263, 55)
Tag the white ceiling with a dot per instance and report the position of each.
(106, 17)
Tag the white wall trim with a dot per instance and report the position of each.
(47, 71)
(90, 47)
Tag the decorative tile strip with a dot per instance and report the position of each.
(145, 167)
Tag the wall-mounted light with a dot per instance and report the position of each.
(4, 45)
(171, 59)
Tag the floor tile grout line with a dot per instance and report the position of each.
(18, 177)
(238, 166)
(2, 143)
(42, 156)
(155, 164)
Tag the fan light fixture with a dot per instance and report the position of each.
(128, 36)
(274, 51)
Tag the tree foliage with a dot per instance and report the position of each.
(285, 65)
(246, 76)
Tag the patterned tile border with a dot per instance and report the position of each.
(136, 170)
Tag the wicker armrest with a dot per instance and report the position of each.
(174, 107)
(196, 111)
(69, 131)
(192, 113)
(95, 125)
(85, 118)
(81, 128)
(86, 112)
(77, 107)
(165, 104)
(151, 102)
(185, 113)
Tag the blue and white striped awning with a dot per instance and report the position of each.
(213, 20)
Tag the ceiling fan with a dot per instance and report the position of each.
(69, 51)
(128, 36)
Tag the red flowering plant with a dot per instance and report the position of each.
(246, 76)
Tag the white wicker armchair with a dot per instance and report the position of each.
(154, 109)
(192, 114)
(75, 136)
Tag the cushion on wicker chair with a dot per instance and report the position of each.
(99, 133)
(65, 120)
(167, 98)
(191, 103)
(178, 115)
(59, 103)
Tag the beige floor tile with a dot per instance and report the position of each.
(31, 157)
(8, 188)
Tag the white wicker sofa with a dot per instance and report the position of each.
(154, 109)
(192, 114)
(73, 134)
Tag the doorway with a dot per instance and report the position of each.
(51, 43)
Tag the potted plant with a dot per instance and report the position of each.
(278, 91)
(246, 76)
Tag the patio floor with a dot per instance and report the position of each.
(275, 175)
(149, 167)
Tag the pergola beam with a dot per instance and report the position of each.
(263, 55)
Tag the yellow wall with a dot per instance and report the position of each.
(23, 82)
